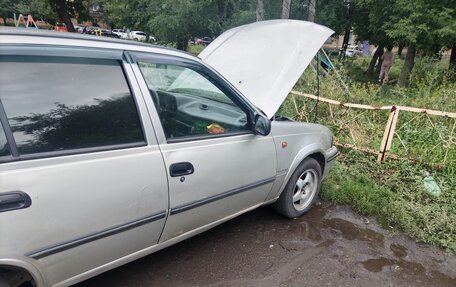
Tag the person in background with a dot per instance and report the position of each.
(386, 65)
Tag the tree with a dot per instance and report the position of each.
(242, 12)
(7, 8)
(368, 24)
(178, 20)
(171, 21)
(37, 8)
(54, 10)
(446, 32)
(260, 10)
(417, 24)
(286, 4)
(61, 8)
(311, 15)
(333, 14)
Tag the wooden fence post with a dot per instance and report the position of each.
(388, 134)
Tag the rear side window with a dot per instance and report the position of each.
(56, 104)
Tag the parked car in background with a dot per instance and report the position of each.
(135, 35)
(353, 51)
(91, 30)
(60, 27)
(108, 33)
(203, 41)
(111, 150)
(138, 35)
(118, 32)
(78, 28)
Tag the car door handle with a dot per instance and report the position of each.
(14, 200)
(180, 169)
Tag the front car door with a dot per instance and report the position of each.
(217, 167)
(81, 145)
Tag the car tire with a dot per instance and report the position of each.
(301, 190)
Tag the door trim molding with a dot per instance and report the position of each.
(206, 200)
(53, 249)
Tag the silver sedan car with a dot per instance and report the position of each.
(111, 150)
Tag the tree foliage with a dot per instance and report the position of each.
(178, 20)
(420, 25)
(334, 14)
(80, 125)
(39, 9)
(171, 21)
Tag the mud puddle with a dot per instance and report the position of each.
(330, 246)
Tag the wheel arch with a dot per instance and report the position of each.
(18, 266)
(320, 158)
(315, 151)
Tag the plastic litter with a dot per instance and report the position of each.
(431, 187)
(215, 129)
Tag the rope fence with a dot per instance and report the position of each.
(349, 128)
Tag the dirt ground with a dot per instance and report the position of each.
(329, 246)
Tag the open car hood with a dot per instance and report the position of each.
(264, 60)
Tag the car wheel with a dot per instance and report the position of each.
(301, 190)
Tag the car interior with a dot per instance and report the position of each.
(183, 115)
(189, 104)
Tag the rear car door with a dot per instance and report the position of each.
(217, 168)
(81, 146)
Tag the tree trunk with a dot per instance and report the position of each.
(379, 63)
(311, 12)
(377, 55)
(347, 29)
(225, 10)
(260, 10)
(345, 43)
(64, 17)
(286, 9)
(408, 66)
(182, 45)
(453, 57)
(399, 50)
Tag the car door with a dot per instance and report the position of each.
(81, 145)
(217, 167)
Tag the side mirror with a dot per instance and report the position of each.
(262, 125)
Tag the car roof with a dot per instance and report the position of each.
(32, 36)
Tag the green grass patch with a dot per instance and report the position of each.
(195, 49)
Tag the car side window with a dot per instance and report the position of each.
(56, 104)
(189, 104)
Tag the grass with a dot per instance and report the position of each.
(393, 191)
(195, 49)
